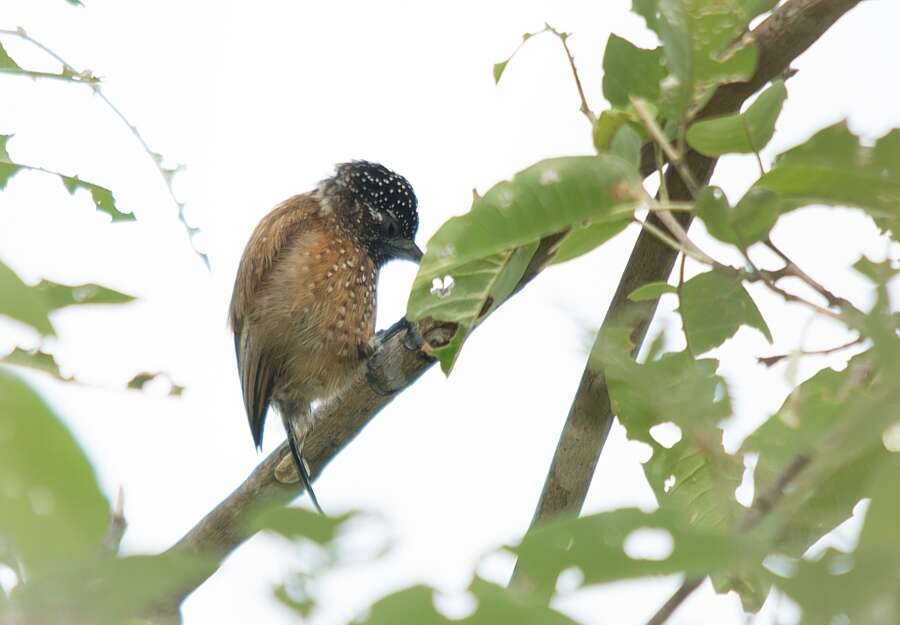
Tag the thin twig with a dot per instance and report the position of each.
(772, 360)
(791, 269)
(117, 525)
(676, 157)
(675, 601)
(766, 277)
(88, 79)
(563, 37)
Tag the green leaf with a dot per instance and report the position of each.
(596, 545)
(110, 591)
(479, 248)
(702, 47)
(650, 291)
(410, 606)
(51, 509)
(22, 303)
(103, 197)
(6, 61)
(863, 587)
(498, 70)
(8, 169)
(293, 523)
(834, 168)
(878, 272)
(626, 144)
(583, 239)
(745, 132)
(631, 71)
(748, 222)
(37, 360)
(806, 420)
(713, 307)
(478, 288)
(497, 604)
(57, 295)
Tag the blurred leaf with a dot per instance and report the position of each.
(651, 290)
(497, 604)
(51, 509)
(109, 591)
(478, 250)
(57, 295)
(713, 307)
(749, 222)
(141, 380)
(595, 544)
(38, 360)
(608, 125)
(410, 606)
(878, 272)
(302, 605)
(631, 71)
(103, 197)
(863, 587)
(20, 302)
(293, 523)
(745, 132)
(806, 420)
(694, 476)
(834, 168)
(583, 239)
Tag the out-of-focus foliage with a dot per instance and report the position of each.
(830, 450)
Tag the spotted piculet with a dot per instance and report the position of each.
(303, 306)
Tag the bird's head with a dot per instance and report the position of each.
(377, 206)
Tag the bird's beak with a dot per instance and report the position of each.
(405, 249)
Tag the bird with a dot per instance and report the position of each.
(303, 306)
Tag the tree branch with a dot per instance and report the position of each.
(781, 38)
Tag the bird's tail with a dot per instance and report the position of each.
(302, 470)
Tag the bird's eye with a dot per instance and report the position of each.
(390, 226)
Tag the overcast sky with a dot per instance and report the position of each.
(259, 100)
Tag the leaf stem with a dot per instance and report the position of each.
(676, 157)
(563, 38)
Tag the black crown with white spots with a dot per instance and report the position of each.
(380, 204)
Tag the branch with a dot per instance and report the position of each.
(782, 37)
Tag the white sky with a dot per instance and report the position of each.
(260, 99)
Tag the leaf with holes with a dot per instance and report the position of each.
(598, 545)
(486, 251)
(52, 512)
(102, 197)
(476, 290)
(37, 360)
(745, 132)
(713, 307)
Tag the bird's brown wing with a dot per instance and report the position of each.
(256, 368)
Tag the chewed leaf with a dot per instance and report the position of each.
(103, 197)
(61, 295)
(20, 302)
(485, 252)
